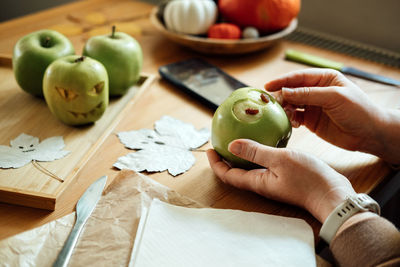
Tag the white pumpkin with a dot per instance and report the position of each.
(190, 16)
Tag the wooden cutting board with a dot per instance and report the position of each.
(23, 113)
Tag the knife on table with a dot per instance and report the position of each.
(84, 208)
(312, 60)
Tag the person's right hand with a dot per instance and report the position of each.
(331, 106)
(289, 176)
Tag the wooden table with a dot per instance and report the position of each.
(199, 183)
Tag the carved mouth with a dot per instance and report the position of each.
(29, 150)
(86, 114)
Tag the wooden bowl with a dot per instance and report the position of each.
(220, 46)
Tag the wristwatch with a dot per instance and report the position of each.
(349, 207)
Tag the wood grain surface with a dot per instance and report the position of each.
(23, 113)
(161, 98)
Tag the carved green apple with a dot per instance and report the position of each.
(252, 114)
(121, 55)
(33, 53)
(76, 89)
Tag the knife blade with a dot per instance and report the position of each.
(316, 61)
(84, 208)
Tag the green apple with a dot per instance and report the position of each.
(121, 55)
(33, 53)
(252, 114)
(76, 89)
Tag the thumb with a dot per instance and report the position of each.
(314, 96)
(255, 152)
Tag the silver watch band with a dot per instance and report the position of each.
(352, 205)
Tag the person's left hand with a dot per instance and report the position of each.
(290, 176)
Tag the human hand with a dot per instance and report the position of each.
(290, 176)
(331, 106)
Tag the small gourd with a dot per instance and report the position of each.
(190, 16)
(250, 33)
(224, 31)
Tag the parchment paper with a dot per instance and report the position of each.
(108, 236)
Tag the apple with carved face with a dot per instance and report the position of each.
(76, 89)
(249, 113)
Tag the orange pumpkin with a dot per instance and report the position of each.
(265, 15)
(224, 31)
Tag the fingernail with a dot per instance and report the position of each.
(279, 98)
(289, 113)
(288, 91)
(235, 148)
(295, 124)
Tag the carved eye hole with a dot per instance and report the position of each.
(67, 94)
(97, 89)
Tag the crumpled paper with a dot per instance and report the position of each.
(167, 147)
(108, 236)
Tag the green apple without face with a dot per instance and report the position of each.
(76, 89)
(121, 55)
(33, 53)
(252, 114)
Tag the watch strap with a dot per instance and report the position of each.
(351, 206)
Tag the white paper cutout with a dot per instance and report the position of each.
(168, 147)
(26, 148)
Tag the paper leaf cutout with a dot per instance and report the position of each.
(167, 147)
(26, 148)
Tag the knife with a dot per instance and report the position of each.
(84, 208)
(325, 63)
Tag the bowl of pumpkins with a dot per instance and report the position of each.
(226, 26)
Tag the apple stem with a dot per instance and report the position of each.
(80, 59)
(47, 41)
(113, 31)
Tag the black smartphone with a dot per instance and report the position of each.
(201, 79)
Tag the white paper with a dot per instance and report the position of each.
(179, 236)
(26, 148)
(167, 147)
(107, 237)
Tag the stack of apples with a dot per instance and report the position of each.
(229, 19)
(77, 87)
